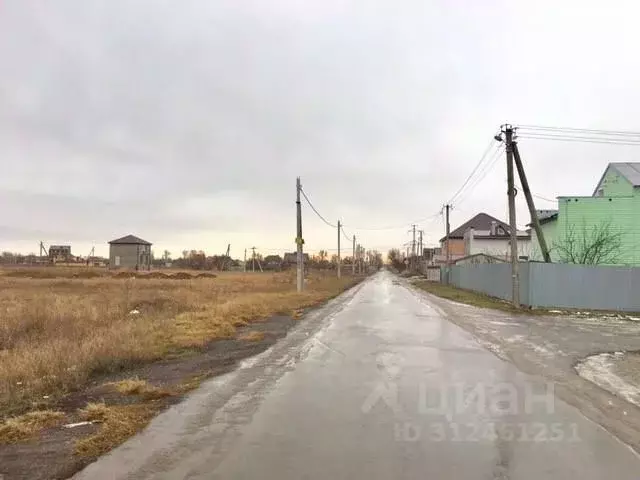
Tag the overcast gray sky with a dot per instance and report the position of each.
(186, 122)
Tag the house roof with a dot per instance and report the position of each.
(629, 170)
(545, 216)
(129, 240)
(481, 221)
(293, 257)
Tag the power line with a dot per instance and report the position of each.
(484, 172)
(397, 226)
(347, 237)
(559, 138)
(578, 137)
(543, 198)
(579, 130)
(484, 155)
(394, 227)
(316, 211)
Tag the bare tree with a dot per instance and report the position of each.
(596, 245)
(395, 259)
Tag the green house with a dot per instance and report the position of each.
(601, 229)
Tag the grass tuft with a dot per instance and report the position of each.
(94, 412)
(136, 386)
(117, 424)
(253, 336)
(21, 428)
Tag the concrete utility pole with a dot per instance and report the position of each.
(511, 192)
(448, 253)
(339, 248)
(420, 250)
(353, 257)
(413, 250)
(245, 260)
(253, 259)
(532, 207)
(299, 240)
(43, 249)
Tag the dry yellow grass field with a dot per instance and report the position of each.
(58, 333)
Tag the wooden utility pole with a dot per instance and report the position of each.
(532, 208)
(299, 240)
(448, 253)
(511, 192)
(339, 248)
(353, 257)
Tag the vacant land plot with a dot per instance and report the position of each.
(58, 334)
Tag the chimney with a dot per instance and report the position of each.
(468, 241)
(493, 227)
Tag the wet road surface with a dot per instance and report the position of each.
(376, 385)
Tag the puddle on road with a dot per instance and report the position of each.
(618, 373)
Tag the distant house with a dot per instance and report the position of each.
(484, 234)
(291, 259)
(130, 252)
(613, 208)
(60, 253)
(429, 254)
(272, 262)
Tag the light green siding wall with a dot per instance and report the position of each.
(622, 213)
(616, 202)
(614, 185)
(549, 230)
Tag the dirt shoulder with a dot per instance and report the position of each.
(551, 346)
(60, 433)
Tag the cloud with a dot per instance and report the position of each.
(189, 122)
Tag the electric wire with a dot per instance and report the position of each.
(543, 198)
(578, 130)
(482, 158)
(347, 237)
(315, 210)
(577, 139)
(484, 172)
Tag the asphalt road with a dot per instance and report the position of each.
(377, 385)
